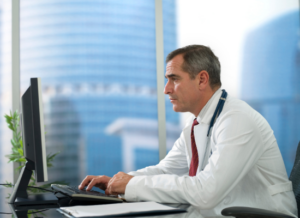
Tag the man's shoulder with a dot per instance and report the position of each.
(233, 104)
(235, 108)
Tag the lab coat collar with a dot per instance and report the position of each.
(201, 129)
(208, 110)
(200, 139)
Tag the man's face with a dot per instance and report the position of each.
(183, 91)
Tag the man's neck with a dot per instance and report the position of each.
(204, 99)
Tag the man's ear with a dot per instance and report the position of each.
(203, 79)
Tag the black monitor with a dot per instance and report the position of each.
(34, 147)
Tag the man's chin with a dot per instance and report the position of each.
(177, 109)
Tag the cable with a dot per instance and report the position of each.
(7, 184)
(39, 211)
(30, 187)
(40, 188)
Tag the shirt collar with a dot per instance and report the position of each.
(208, 108)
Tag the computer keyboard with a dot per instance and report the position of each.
(84, 195)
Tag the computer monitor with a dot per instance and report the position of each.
(34, 147)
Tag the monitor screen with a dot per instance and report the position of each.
(34, 147)
(33, 129)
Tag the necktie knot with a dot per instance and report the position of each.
(195, 123)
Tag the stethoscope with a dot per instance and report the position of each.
(216, 114)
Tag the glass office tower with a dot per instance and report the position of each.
(97, 61)
(271, 79)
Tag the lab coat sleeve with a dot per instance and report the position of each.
(174, 163)
(238, 147)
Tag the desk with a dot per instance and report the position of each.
(50, 211)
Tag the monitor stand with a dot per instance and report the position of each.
(20, 196)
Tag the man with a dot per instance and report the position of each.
(226, 155)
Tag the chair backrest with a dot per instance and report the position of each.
(295, 176)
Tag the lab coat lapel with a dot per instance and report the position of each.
(200, 132)
(187, 138)
(200, 138)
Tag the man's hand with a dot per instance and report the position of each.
(98, 181)
(117, 184)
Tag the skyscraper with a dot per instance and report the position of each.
(97, 62)
(271, 78)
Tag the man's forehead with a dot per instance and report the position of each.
(173, 67)
(176, 61)
(169, 65)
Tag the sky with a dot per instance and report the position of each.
(223, 26)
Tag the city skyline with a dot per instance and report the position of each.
(97, 63)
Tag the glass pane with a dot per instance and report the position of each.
(170, 43)
(5, 90)
(97, 63)
(257, 43)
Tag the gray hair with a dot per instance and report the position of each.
(197, 58)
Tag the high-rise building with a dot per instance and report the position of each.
(271, 78)
(97, 62)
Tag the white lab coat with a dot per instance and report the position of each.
(245, 168)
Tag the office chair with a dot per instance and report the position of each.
(248, 212)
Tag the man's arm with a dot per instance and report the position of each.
(174, 163)
(239, 146)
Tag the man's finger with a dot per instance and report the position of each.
(85, 182)
(110, 181)
(112, 190)
(92, 183)
(107, 192)
(108, 188)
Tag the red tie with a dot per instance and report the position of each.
(194, 161)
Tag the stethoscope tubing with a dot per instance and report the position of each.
(216, 114)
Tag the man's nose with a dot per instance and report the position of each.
(167, 89)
